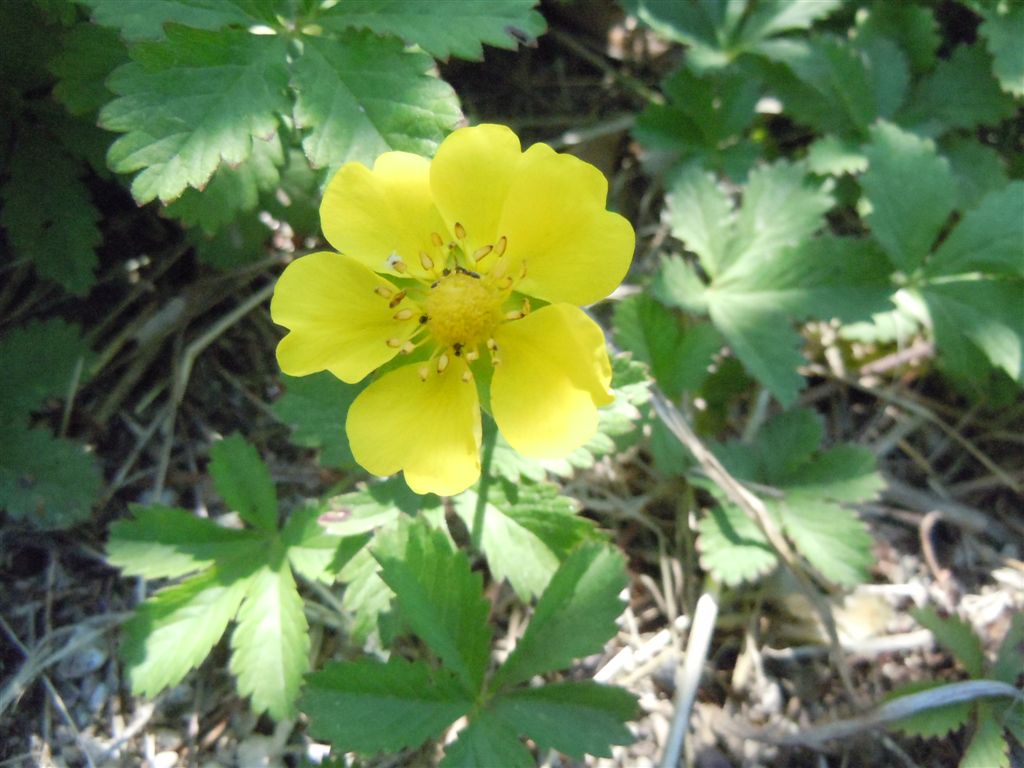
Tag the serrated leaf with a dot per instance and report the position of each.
(232, 190)
(576, 718)
(1009, 663)
(524, 531)
(912, 26)
(40, 362)
(956, 636)
(989, 238)
(439, 598)
(968, 73)
(833, 539)
(487, 740)
(315, 407)
(174, 631)
(847, 473)
(360, 96)
(376, 506)
(701, 215)
(979, 170)
(786, 442)
(371, 706)
(162, 542)
(366, 595)
(145, 19)
(679, 356)
(574, 617)
(312, 552)
(191, 102)
(935, 722)
(48, 213)
(971, 315)
(831, 155)
(677, 284)
(88, 54)
(732, 548)
(1003, 29)
(988, 747)
(243, 481)
(44, 480)
(443, 28)
(911, 191)
(270, 644)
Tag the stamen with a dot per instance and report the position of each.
(470, 273)
(498, 270)
(467, 376)
(523, 273)
(394, 343)
(396, 299)
(500, 247)
(403, 314)
(423, 319)
(396, 263)
(442, 362)
(514, 315)
(436, 239)
(472, 356)
(383, 290)
(506, 282)
(460, 231)
(426, 261)
(526, 305)
(407, 348)
(492, 345)
(481, 253)
(424, 372)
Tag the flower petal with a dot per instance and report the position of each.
(553, 374)
(554, 217)
(337, 320)
(370, 215)
(470, 177)
(430, 429)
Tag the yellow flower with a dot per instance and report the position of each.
(469, 269)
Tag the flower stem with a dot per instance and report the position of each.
(490, 437)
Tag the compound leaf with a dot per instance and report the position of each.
(487, 740)
(443, 27)
(833, 539)
(87, 56)
(40, 362)
(191, 102)
(244, 482)
(989, 238)
(1009, 663)
(956, 636)
(145, 19)
(270, 644)
(935, 722)
(732, 548)
(371, 706)
(988, 747)
(1003, 29)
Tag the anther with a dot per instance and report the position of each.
(403, 314)
(501, 245)
(383, 290)
(507, 282)
(481, 253)
(426, 261)
(460, 231)
(526, 305)
(442, 362)
(396, 299)
(467, 272)
(394, 343)
(467, 376)
(498, 270)
(407, 348)
(424, 372)
(492, 345)
(514, 315)
(436, 239)
(472, 356)
(396, 263)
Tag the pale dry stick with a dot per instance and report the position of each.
(697, 645)
(755, 509)
(183, 372)
(959, 514)
(629, 657)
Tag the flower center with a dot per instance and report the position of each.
(462, 310)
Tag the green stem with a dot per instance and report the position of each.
(490, 437)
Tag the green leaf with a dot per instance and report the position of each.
(371, 706)
(243, 481)
(360, 96)
(48, 213)
(270, 644)
(956, 636)
(40, 362)
(911, 191)
(443, 28)
(679, 356)
(979, 170)
(989, 238)
(146, 19)
(315, 407)
(525, 532)
(313, 553)
(174, 631)
(979, 100)
(1009, 663)
(238, 243)
(912, 26)
(833, 539)
(576, 718)
(574, 617)
(376, 506)
(47, 481)
(232, 190)
(366, 595)
(191, 102)
(831, 155)
(988, 747)
(971, 315)
(700, 214)
(161, 542)
(937, 722)
(1003, 29)
(732, 548)
(439, 597)
(487, 740)
(87, 56)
